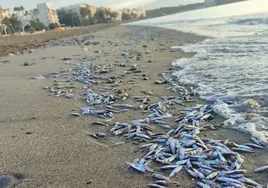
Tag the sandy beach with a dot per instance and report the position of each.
(43, 146)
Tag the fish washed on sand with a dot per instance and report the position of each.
(211, 162)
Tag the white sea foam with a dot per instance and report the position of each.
(230, 69)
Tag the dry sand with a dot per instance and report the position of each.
(59, 153)
(17, 44)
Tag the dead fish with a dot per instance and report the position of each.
(248, 181)
(156, 186)
(175, 171)
(212, 175)
(75, 114)
(99, 123)
(228, 180)
(98, 135)
(254, 145)
(160, 177)
(192, 173)
(118, 144)
(261, 169)
(243, 150)
(202, 185)
(140, 166)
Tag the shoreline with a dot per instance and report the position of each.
(59, 148)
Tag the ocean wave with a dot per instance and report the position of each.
(249, 21)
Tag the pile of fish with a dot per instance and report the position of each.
(212, 163)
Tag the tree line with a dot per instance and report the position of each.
(15, 24)
(69, 18)
(85, 17)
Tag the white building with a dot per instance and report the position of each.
(4, 13)
(47, 14)
(77, 8)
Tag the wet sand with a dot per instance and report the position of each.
(44, 146)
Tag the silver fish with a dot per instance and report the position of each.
(175, 171)
(261, 169)
(118, 144)
(160, 177)
(228, 180)
(156, 186)
(192, 173)
(202, 185)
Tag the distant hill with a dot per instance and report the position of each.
(169, 3)
(173, 10)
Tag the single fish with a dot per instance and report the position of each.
(212, 175)
(192, 173)
(203, 185)
(248, 181)
(160, 177)
(175, 171)
(261, 169)
(99, 123)
(228, 180)
(257, 141)
(118, 144)
(254, 145)
(156, 186)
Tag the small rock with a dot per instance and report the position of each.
(85, 49)
(160, 82)
(95, 43)
(144, 46)
(150, 61)
(69, 96)
(27, 64)
(27, 133)
(7, 181)
(148, 92)
(121, 95)
(145, 78)
(10, 54)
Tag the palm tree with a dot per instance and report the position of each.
(21, 9)
(16, 10)
(26, 14)
(1, 12)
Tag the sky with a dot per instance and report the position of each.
(115, 4)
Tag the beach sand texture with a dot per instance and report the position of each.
(44, 146)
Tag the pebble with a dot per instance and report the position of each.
(7, 181)
(27, 133)
(27, 64)
(66, 59)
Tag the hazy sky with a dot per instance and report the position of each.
(30, 4)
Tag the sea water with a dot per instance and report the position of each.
(230, 68)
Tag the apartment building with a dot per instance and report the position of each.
(77, 8)
(135, 13)
(4, 13)
(47, 14)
